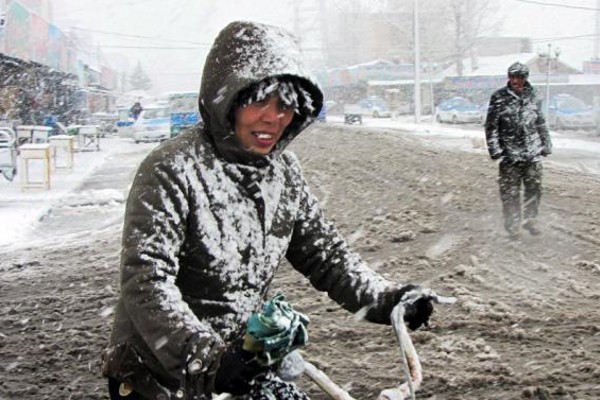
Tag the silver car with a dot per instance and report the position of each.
(373, 106)
(458, 110)
(566, 111)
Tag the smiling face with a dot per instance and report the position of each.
(260, 124)
(517, 82)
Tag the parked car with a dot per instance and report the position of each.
(567, 111)
(153, 124)
(322, 117)
(375, 107)
(369, 107)
(8, 152)
(458, 110)
(596, 111)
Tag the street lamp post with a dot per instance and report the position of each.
(549, 58)
(417, 76)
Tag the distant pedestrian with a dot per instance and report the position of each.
(517, 135)
(136, 110)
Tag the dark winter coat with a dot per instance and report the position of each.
(136, 110)
(515, 127)
(207, 225)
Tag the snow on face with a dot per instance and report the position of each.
(284, 90)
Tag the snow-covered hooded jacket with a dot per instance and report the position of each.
(207, 224)
(515, 127)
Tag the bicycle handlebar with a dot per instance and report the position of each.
(410, 359)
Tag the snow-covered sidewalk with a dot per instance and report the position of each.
(21, 209)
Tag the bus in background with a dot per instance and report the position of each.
(184, 111)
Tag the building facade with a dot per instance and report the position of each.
(43, 67)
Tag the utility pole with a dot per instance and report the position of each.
(597, 39)
(549, 58)
(417, 75)
(296, 6)
(324, 32)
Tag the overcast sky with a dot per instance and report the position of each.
(562, 24)
(174, 36)
(178, 33)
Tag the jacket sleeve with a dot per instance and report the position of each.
(542, 129)
(319, 252)
(153, 233)
(492, 122)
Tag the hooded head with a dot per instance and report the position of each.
(518, 70)
(246, 61)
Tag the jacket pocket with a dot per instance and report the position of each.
(122, 363)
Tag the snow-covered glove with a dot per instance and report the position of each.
(418, 306)
(237, 369)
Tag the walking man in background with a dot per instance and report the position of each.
(517, 135)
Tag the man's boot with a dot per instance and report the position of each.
(513, 233)
(532, 227)
(512, 224)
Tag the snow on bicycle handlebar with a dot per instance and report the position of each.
(410, 359)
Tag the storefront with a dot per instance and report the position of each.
(29, 91)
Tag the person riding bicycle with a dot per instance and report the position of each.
(209, 218)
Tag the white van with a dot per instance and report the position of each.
(153, 124)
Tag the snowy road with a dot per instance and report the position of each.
(576, 150)
(525, 325)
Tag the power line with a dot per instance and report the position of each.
(133, 2)
(139, 36)
(148, 47)
(195, 73)
(557, 38)
(541, 3)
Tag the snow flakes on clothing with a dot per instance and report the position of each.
(245, 54)
(266, 51)
(208, 223)
(515, 126)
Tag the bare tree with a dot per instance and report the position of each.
(449, 29)
(469, 20)
(139, 80)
